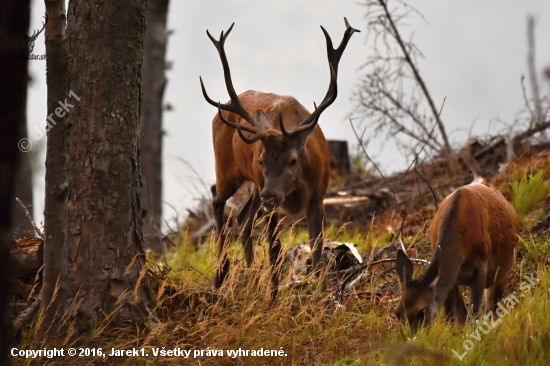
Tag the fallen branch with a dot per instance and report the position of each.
(530, 132)
(25, 316)
(344, 200)
(38, 231)
(27, 256)
(352, 272)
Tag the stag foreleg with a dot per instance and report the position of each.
(315, 222)
(223, 262)
(246, 217)
(274, 252)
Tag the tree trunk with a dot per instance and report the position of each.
(105, 258)
(55, 206)
(154, 82)
(13, 100)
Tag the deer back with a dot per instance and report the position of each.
(485, 224)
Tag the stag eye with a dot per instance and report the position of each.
(260, 162)
(292, 162)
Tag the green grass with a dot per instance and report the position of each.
(312, 330)
(309, 326)
(196, 264)
(528, 190)
(521, 338)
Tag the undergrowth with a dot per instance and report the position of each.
(313, 327)
(528, 190)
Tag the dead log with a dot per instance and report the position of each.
(27, 256)
(25, 317)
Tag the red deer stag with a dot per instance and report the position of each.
(473, 237)
(288, 163)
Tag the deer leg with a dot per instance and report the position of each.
(218, 205)
(450, 262)
(247, 217)
(477, 288)
(315, 221)
(495, 295)
(454, 306)
(274, 252)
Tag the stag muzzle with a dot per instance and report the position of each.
(270, 199)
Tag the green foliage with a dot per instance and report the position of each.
(314, 330)
(359, 164)
(537, 251)
(528, 190)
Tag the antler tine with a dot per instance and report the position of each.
(303, 128)
(250, 140)
(234, 125)
(235, 106)
(35, 33)
(333, 56)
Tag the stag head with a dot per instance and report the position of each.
(31, 39)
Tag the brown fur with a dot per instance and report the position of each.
(286, 157)
(237, 161)
(299, 189)
(473, 237)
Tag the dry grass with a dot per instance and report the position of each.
(310, 325)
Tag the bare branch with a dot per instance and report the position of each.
(423, 146)
(417, 76)
(36, 229)
(368, 157)
(538, 116)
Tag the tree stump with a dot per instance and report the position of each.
(339, 158)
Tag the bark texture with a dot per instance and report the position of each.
(154, 82)
(105, 245)
(13, 98)
(55, 207)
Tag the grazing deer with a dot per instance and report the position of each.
(287, 162)
(473, 236)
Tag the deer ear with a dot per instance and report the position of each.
(403, 267)
(431, 276)
(263, 120)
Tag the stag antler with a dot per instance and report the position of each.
(35, 33)
(333, 56)
(235, 106)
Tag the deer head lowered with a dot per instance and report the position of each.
(288, 162)
(473, 237)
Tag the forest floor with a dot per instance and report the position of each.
(350, 321)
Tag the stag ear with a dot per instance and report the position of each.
(403, 267)
(263, 120)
